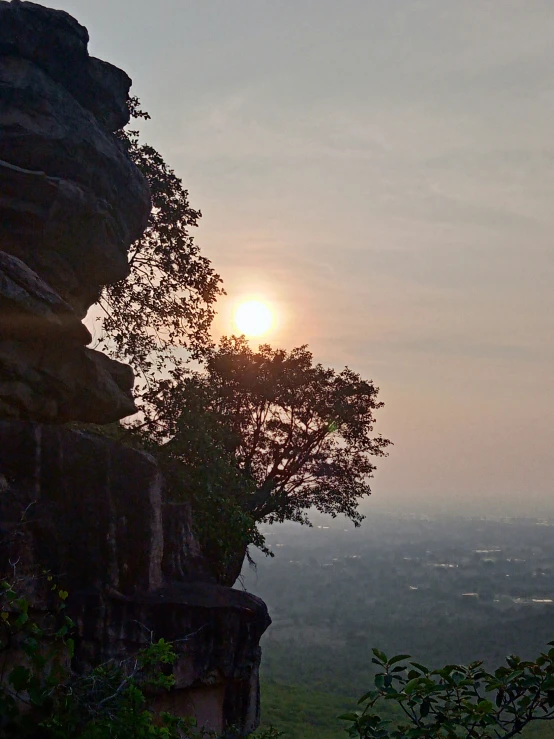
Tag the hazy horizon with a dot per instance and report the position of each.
(381, 174)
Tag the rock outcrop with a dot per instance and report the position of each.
(94, 514)
(71, 204)
(46, 371)
(133, 568)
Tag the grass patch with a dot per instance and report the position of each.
(303, 714)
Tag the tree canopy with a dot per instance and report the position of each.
(296, 434)
(254, 435)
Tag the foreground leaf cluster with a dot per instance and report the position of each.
(455, 701)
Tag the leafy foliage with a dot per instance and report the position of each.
(262, 436)
(198, 465)
(168, 299)
(456, 701)
(292, 434)
(44, 644)
(258, 436)
(40, 696)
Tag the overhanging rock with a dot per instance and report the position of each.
(71, 204)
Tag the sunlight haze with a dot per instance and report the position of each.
(382, 175)
(253, 318)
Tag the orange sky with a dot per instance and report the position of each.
(382, 174)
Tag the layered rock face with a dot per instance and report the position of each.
(86, 509)
(134, 570)
(46, 371)
(71, 204)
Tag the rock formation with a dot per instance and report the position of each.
(71, 204)
(132, 566)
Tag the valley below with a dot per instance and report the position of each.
(445, 589)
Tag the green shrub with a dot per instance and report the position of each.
(455, 701)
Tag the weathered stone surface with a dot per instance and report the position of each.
(216, 632)
(29, 308)
(183, 560)
(46, 373)
(95, 516)
(61, 381)
(62, 232)
(57, 43)
(96, 505)
(72, 202)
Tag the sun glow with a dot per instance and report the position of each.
(253, 318)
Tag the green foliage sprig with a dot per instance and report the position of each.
(40, 696)
(44, 644)
(455, 701)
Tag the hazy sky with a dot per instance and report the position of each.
(382, 172)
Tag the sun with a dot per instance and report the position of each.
(253, 318)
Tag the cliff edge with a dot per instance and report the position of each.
(89, 510)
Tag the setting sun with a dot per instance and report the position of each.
(253, 318)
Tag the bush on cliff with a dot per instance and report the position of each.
(263, 436)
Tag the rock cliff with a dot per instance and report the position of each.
(95, 515)
(71, 204)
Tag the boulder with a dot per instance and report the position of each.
(216, 633)
(57, 43)
(29, 308)
(60, 382)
